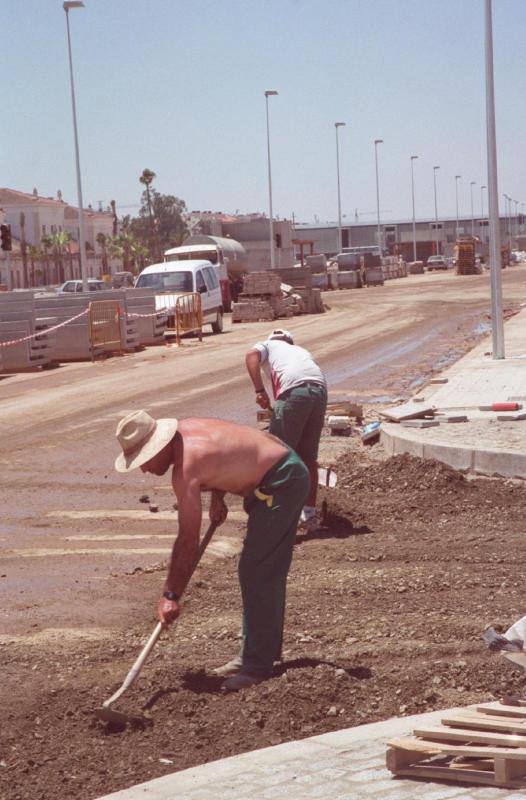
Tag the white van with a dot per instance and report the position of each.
(174, 278)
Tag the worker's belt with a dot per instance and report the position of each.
(268, 498)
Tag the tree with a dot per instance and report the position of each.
(147, 179)
(170, 227)
(47, 244)
(60, 243)
(35, 254)
(102, 242)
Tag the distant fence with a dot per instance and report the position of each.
(105, 325)
(188, 316)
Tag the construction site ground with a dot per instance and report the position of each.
(386, 603)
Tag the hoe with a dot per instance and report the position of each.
(105, 712)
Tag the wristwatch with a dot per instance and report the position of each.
(261, 391)
(171, 595)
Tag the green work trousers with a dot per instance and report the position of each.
(273, 513)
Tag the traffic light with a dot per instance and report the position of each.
(277, 237)
(5, 237)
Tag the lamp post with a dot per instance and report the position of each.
(67, 5)
(471, 185)
(376, 143)
(497, 324)
(413, 159)
(457, 178)
(482, 211)
(436, 208)
(336, 126)
(270, 93)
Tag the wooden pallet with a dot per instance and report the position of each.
(482, 745)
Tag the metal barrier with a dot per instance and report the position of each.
(188, 315)
(105, 325)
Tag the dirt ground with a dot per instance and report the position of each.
(386, 607)
(386, 604)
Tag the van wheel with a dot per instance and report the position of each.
(217, 326)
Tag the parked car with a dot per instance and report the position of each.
(94, 285)
(171, 279)
(436, 262)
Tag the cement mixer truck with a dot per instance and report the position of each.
(227, 256)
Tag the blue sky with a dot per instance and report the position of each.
(178, 87)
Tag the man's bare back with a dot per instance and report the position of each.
(223, 455)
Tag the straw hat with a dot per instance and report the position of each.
(141, 438)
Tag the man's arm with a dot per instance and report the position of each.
(185, 548)
(253, 364)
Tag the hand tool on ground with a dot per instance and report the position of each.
(105, 712)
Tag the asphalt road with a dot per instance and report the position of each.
(70, 521)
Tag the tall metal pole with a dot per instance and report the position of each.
(472, 184)
(436, 207)
(82, 237)
(379, 236)
(336, 126)
(497, 324)
(413, 158)
(272, 257)
(457, 178)
(516, 223)
(483, 227)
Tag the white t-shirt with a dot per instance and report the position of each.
(288, 365)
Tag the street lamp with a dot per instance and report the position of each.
(436, 211)
(413, 159)
(376, 143)
(67, 5)
(336, 126)
(270, 93)
(471, 185)
(457, 178)
(497, 323)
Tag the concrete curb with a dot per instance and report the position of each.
(505, 463)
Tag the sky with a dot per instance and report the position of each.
(178, 87)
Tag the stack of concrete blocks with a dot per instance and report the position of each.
(19, 319)
(393, 267)
(374, 276)
(152, 324)
(300, 280)
(261, 299)
(349, 275)
(415, 267)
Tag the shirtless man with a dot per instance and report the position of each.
(217, 456)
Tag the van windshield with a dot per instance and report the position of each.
(166, 281)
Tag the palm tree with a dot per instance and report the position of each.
(102, 242)
(47, 244)
(35, 254)
(147, 178)
(60, 241)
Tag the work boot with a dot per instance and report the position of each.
(241, 681)
(229, 669)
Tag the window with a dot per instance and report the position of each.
(210, 278)
(166, 281)
(200, 285)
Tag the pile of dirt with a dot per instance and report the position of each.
(384, 619)
(426, 489)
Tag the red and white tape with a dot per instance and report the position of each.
(44, 330)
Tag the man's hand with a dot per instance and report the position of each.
(168, 610)
(262, 399)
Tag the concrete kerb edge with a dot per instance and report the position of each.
(338, 742)
(503, 463)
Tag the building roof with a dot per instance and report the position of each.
(316, 226)
(15, 198)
